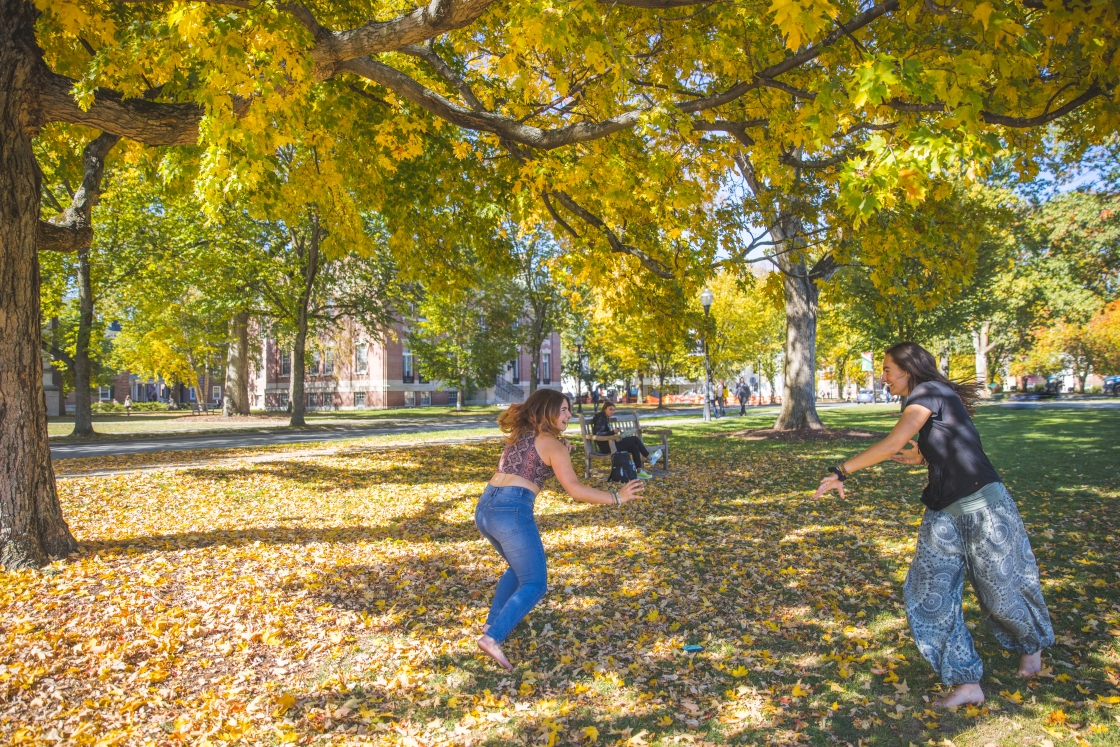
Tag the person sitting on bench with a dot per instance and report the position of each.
(601, 426)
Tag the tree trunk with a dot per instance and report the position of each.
(173, 394)
(534, 368)
(799, 402)
(83, 411)
(235, 400)
(641, 388)
(661, 389)
(296, 396)
(462, 392)
(32, 529)
(982, 347)
(310, 274)
(943, 361)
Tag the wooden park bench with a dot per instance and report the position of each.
(628, 425)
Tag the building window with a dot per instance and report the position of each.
(544, 375)
(407, 374)
(285, 364)
(515, 367)
(315, 358)
(193, 394)
(328, 363)
(217, 394)
(284, 400)
(410, 399)
(359, 399)
(312, 400)
(361, 359)
(419, 373)
(425, 399)
(105, 393)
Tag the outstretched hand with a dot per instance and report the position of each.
(631, 490)
(909, 456)
(829, 483)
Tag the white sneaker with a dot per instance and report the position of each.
(654, 457)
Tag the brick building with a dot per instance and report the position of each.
(359, 373)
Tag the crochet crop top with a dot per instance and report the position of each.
(521, 459)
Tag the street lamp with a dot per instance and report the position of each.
(706, 301)
(578, 340)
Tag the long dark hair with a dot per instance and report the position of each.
(920, 366)
(535, 415)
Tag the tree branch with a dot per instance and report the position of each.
(428, 21)
(470, 119)
(738, 130)
(824, 163)
(615, 242)
(137, 119)
(72, 229)
(988, 117)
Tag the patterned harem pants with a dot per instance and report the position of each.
(990, 546)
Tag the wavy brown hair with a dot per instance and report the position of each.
(920, 366)
(535, 415)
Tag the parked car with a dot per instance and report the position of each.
(1111, 385)
(866, 396)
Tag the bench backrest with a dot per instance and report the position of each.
(627, 424)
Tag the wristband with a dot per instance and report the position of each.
(839, 472)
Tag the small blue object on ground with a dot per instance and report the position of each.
(692, 648)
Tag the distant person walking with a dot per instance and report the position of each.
(535, 451)
(743, 394)
(127, 405)
(971, 527)
(601, 426)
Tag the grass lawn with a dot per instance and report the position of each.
(336, 599)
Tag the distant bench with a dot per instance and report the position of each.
(627, 425)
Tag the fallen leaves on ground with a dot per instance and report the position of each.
(336, 600)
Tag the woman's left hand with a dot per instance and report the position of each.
(908, 456)
(829, 483)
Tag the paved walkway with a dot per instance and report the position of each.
(439, 428)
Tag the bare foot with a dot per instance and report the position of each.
(967, 693)
(1030, 665)
(485, 627)
(491, 648)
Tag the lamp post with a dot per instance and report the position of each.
(578, 340)
(706, 302)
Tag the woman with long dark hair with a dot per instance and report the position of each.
(535, 451)
(971, 527)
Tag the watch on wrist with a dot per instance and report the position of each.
(839, 472)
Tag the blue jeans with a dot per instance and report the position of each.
(504, 516)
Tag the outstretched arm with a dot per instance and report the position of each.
(556, 455)
(912, 420)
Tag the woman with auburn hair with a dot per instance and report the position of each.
(971, 527)
(535, 450)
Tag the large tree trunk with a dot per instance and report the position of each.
(236, 391)
(32, 529)
(462, 393)
(83, 410)
(799, 391)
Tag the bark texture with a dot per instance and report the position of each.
(32, 529)
(236, 390)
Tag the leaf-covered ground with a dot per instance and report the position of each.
(336, 599)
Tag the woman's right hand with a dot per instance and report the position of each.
(631, 490)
